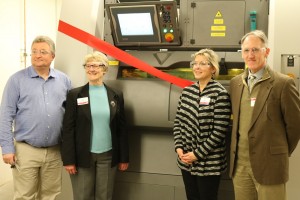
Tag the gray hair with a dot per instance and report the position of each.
(46, 39)
(257, 33)
(98, 57)
(212, 58)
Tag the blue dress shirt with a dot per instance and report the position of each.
(32, 109)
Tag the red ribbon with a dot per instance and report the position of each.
(118, 54)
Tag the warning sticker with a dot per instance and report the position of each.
(217, 34)
(218, 21)
(218, 29)
(218, 14)
(113, 63)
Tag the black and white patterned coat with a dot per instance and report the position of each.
(201, 124)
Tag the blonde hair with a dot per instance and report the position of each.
(97, 56)
(212, 58)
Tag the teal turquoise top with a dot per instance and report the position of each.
(101, 133)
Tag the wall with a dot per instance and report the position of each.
(10, 47)
(70, 52)
(284, 39)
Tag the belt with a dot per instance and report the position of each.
(35, 146)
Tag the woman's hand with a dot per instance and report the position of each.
(71, 169)
(179, 152)
(123, 166)
(188, 158)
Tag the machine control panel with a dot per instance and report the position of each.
(144, 23)
(167, 20)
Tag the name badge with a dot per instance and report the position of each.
(204, 101)
(82, 101)
(252, 102)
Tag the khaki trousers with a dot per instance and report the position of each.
(247, 188)
(37, 175)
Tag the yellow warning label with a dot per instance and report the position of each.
(218, 21)
(218, 28)
(218, 14)
(217, 34)
(113, 63)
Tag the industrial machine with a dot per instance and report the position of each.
(164, 34)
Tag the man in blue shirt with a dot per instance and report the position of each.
(31, 115)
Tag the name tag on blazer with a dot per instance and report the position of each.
(83, 101)
(252, 102)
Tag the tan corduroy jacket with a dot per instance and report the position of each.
(274, 129)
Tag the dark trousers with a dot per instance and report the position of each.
(200, 187)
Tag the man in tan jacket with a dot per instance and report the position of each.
(266, 124)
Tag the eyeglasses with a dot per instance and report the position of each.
(93, 66)
(194, 64)
(42, 52)
(253, 50)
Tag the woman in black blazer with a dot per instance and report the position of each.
(95, 141)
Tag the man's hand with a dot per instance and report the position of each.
(9, 158)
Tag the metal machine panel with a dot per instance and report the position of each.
(290, 65)
(146, 102)
(215, 23)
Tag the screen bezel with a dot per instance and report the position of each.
(121, 40)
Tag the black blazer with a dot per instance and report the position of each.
(77, 128)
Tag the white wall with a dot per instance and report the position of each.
(285, 26)
(41, 18)
(9, 56)
(284, 39)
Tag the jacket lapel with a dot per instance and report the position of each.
(264, 91)
(85, 93)
(113, 101)
(237, 95)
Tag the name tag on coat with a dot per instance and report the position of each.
(82, 101)
(204, 101)
(252, 102)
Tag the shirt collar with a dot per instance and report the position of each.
(33, 73)
(258, 74)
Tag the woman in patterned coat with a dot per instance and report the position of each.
(200, 129)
